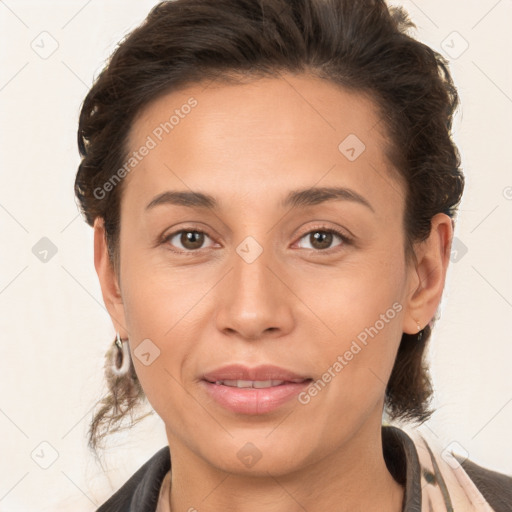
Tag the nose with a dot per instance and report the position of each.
(255, 299)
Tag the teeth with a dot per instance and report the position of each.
(266, 383)
(250, 383)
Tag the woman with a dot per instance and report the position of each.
(272, 187)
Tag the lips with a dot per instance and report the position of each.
(256, 390)
(258, 373)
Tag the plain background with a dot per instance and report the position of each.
(55, 329)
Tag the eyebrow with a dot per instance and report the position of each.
(294, 199)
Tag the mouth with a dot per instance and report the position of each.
(253, 391)
(257, 384)
(261, 373)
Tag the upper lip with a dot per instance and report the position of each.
(262, 372)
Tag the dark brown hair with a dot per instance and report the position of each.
(363, 46)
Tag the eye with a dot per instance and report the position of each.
(321, 239)
(190, 239)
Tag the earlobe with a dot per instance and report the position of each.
(108, 279)
(429, 274)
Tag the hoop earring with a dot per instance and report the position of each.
(121, 357)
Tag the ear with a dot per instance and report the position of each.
(428, 273)
(109, 281)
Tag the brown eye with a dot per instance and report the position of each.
(187, 240)
(322, 239)
(192, 239)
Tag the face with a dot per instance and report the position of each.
(305, 293)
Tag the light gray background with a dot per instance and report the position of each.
(55, 329)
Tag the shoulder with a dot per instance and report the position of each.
(140, 492)
(495, 487)
(455, 479)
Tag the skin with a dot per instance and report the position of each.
(297, 305)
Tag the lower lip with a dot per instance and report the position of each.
(252, 400)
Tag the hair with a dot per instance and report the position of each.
(362, 46)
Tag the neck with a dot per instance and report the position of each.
(353, 477)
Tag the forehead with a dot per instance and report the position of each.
(261, 136)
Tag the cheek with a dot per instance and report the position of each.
(165, 310)
(157, 297)
(361, 310)
(356, 296)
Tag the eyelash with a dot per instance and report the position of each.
(345, 239)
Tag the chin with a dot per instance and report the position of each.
(257, 454)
